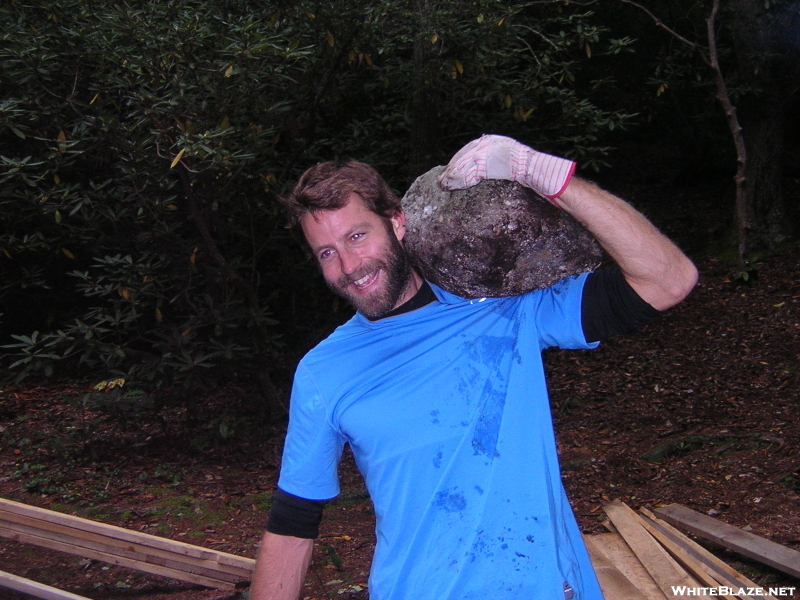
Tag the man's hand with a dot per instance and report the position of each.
(500, 157)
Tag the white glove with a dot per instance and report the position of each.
(500, 157)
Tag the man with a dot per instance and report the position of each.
(443, 399)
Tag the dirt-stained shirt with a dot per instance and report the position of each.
(447, 413)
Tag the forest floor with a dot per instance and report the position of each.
(701, 408)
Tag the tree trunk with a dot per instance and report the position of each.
(272, 405)
(424, 117)
(762, 117)
(757, 115)
(742, 211)
(763, 133)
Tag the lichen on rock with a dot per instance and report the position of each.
(494, 239)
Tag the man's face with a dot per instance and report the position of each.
(361, 256)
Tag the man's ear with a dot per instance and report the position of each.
(399, 224)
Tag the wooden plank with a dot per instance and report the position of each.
(113, 546)
(37, 590)
(612, 582)
(117, 560)
(619, 553)
(80, 549)
(717, 568)
(661, 566)
(745, 543)
(120, 533)
(693, 566)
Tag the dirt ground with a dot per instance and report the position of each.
(701, 408)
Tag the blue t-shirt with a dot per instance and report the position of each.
(446, 411)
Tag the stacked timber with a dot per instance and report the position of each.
(644, 558)
(647, 558)
(122, 547)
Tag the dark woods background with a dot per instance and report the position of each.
(142, 146)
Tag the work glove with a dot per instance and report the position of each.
(500, 157)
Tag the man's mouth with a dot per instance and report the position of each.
(365, 281)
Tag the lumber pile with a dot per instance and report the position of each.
(745, 543)
(123, 547)
(647, 558)
(644, 558)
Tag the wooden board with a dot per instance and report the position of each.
(112, 547)
(715, 567)
(120, 561)
(745, 543)
(612, 582)
(123, 535)
(693, 566)
(619, 553)
(661, 566)
(37, 590)
(123, 547)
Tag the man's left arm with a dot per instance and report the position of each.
(653, 266)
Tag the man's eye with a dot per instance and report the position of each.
(325, 254)
(357, 236)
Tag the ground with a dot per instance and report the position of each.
(701, 408)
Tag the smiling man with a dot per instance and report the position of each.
(361, 256)
(443, 399)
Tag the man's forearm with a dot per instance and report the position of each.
(281, 567)
(659, 272)
(655, 267)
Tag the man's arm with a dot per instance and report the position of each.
(281, 567)
(653, 266)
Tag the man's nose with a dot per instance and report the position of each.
(350, 262)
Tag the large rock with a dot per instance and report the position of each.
(494, 239)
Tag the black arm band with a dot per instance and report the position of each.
(295, 516)
(610, 306)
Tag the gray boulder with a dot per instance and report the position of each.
(494, 239)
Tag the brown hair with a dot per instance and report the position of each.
(328, 185)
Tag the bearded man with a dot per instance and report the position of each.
(443, 399)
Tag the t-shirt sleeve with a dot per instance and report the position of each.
(313, 447)
(558, 314)
(610, 306)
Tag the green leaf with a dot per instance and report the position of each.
(17, 132)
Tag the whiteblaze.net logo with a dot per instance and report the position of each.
(683, 590)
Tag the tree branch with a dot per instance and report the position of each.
(659, 23)
(202, 228)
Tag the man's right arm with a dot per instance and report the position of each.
(281, 567)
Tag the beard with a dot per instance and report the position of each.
(397, 269)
